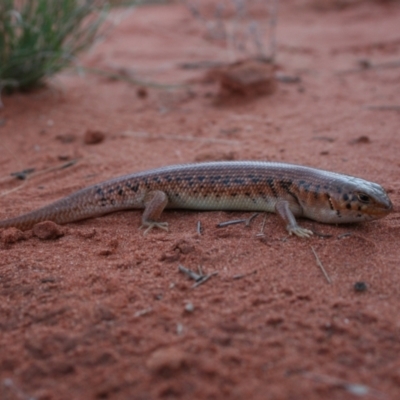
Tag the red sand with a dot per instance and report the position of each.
(103, 313)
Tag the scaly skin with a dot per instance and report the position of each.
(289, 190)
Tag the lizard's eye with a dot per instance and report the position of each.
(364, 198)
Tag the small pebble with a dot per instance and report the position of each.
(360, 286)
(166, 360)
(361, 139)
(142, 92)
(93, 137)
(179, 329)
(189, 307)
(358, 390)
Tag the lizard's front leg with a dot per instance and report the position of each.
(154, 204)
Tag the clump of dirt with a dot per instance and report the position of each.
(247, 79)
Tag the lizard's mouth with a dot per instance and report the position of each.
(382, 209)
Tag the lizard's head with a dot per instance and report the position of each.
(357, 200)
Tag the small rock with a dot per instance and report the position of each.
(47, 230)
(166, 360)
(93, 137)
(360, 286)
(179, 329)
(142, 92)
(363, 139)
(189, 307)
(105, 252)
(356, 389)
(64, 157)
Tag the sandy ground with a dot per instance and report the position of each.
(103, 312)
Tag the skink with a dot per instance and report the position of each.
(289, 190)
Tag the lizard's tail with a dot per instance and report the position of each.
(85, 203)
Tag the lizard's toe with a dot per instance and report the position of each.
(300, 232)
(152, 224)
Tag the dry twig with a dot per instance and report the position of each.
(247, 221)
(262, 234)
(27, 174)
(199, 278)
(319, 263)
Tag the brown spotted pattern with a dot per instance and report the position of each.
(242, 185)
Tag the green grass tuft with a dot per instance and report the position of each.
(41, 37)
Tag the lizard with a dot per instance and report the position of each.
(289, 190)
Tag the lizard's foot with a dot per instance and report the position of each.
(152, 224)
(298, 231)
